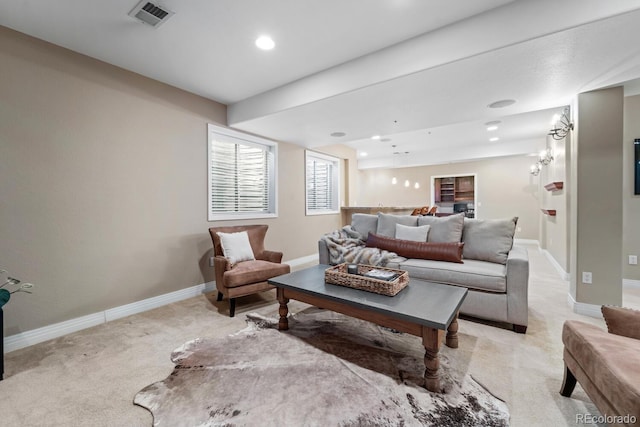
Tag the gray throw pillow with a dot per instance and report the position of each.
(488, 239)
(415, 234)
(387, 223)
(444, 229)
(364, 224)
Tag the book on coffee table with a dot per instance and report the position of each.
(381, 275)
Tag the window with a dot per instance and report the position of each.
(323, 183)
(242, 175)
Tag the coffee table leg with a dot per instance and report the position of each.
(452, 333)
(431, 339)
(283, 323)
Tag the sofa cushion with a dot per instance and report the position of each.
(364, 224)
(416, 234)
(488, 239)
(449, 252)
(387, 223)
(610, 361)
(622, 321)
(443, 229)
(247, 272)
(473, 274)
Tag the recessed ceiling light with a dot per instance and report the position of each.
(265, 43)
(375, 137)
(492, 128)
(494, 139)
(338, 134)
(502, 103)
(385, 139)
(364, 154)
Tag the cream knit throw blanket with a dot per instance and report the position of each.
(346, 245)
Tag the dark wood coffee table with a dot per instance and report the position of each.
(423, 309)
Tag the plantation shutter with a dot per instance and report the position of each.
(320, 185)
(239, 177)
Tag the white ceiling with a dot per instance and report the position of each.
(418, 72)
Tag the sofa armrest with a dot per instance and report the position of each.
(518, 286)
(271, 256)
(323, 252)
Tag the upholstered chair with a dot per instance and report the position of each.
(236, 279)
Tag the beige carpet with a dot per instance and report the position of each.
(90, 377)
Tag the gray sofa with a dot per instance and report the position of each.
(495, 272)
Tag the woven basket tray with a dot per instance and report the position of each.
(338, 276)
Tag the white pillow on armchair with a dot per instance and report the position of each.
(236, 247)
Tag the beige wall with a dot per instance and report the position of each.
(554, 233)
(631, 202)
(595, 197)
(505, 189)
(103, 185)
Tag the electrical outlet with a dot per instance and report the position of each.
(587, 277)
(633, 259)
(210, 261)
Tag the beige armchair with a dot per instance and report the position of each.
(245, 277)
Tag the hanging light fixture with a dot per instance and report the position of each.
(562, 125)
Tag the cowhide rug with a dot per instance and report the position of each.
(327, 370)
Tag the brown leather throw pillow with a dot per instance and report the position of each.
(450, 252)
(622, 321)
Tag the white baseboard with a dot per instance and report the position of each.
(155, 302)
(303, 260)
(628, 283)
(591, 310)
(35, 336)
(556, 265)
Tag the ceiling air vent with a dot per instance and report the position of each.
(150, 13)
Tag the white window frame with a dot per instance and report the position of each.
(231, 135)
(336, 181)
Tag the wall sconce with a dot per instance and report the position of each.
(562, 126)
(535, 169)
(545, 157)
